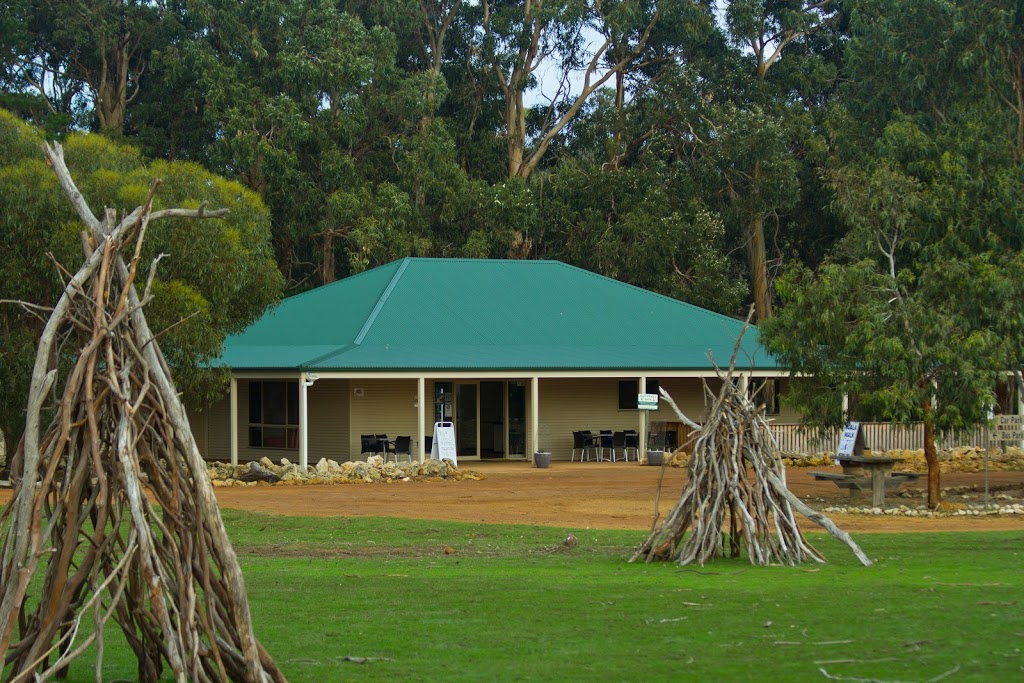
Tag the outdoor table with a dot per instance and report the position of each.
(877, 467)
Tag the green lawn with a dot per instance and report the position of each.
(509, 603)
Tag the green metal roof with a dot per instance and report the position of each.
(482, 314)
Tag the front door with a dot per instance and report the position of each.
(467, 420)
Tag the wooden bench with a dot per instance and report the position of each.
(857, 483)
(843, 481)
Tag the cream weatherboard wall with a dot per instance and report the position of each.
(382, 406)
(200, 425)
(328, 426)
(568, 405)
(329, 404)
(342, 409)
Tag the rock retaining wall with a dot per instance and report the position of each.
(374, 469)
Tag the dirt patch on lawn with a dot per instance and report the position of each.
(595, 495)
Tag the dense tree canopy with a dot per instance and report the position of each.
(693, 147)
(918, 310)
(216, 277)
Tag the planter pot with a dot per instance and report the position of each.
(655, 458)
(542, 459)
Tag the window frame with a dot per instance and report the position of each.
(258, 429)
(631, 386)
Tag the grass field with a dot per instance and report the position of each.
(464, 602)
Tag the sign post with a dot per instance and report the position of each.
(646, 403)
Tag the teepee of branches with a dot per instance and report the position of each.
(735, 496)
(83, 542)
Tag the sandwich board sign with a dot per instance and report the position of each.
(848, 439)
(443, 445)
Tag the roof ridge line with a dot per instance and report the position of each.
(370, 319)
(322, 357)
(725, 316)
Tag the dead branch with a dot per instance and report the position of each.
(113, 514)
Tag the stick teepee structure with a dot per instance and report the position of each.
(735, 496)
(83, 542)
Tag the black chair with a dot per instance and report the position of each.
(428, 444)
(577, 446)
(671, 441)
(589, 444)
(368, 444)
(618, 444)
(402, 446)
(632, 442)
(604, 440)
(583, 443)
(383, 445)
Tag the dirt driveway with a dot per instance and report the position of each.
(594, 495)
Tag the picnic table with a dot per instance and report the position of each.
(867, 472)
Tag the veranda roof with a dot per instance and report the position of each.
(485, 314)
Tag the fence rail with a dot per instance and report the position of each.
(878, 436)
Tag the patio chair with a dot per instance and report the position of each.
(582, 443)
(618, 444)
(589, 444)
(632, 442)
(368, 444)
(671, 441)
(604, 441)
(383, 445)
(402, 446)
(577, 446)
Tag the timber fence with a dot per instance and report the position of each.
(878, 437)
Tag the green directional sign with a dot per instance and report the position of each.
(647, 401)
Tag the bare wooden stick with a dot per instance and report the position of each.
(80, 514)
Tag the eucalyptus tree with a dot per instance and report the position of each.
(86, 57)
(591, 42)
(214, 279)
(762, 180)
(640, 224)
(918, 313)
(306, 104)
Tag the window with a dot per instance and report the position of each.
(628, 392)
(274, 414)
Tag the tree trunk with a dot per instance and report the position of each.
(616, 156)
(112, 87)
(328, 260)
(759, 271)
(515, 122)
(931, 457)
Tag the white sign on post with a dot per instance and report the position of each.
(849, 438)
(443, 445)
(647, 401)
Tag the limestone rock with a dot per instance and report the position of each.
(257, 473)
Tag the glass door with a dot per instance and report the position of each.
(516, 421)
(466, 420)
